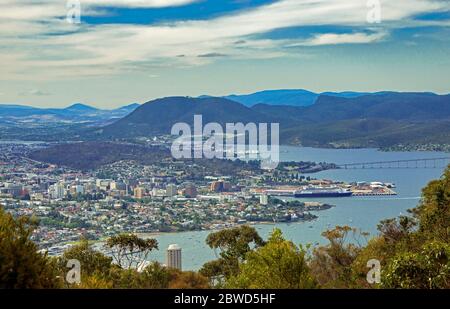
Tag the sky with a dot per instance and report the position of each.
(109, 53)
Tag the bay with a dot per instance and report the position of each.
(363, 213)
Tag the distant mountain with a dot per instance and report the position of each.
(349, 119)
(79, 107)
(375, 120)
(129, 107)
(347, 94)
(277, 97)
(387, 105)
(27, 116)
(158, 116)
(12, 110)
(293, 97)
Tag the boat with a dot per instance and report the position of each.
(309, 192)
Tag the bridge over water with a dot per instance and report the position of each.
(440, 162)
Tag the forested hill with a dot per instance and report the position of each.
(375, 120)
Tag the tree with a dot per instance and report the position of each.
(433, 212)
(156, 276)
(21, 264)
(187, 280)
(95, 282)
(128, 250)
(95, 266)
(414, 250)
(233, 245)
(279, 264)
(427, 269)
(332, 264)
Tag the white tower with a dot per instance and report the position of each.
(263, 199)
(173, 259)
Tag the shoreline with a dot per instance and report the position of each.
(150, 234)
(393, 148)
(156, 233)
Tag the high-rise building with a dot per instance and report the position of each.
(226, 186)
(264, 199)
(79, 189)
(118, 185)
(76, 189)
(103, 184)
(216, 186)
(173, 257)
(138, 192)
(14, 189)
(220, 186)
(171, 190)
(190, 191)
(57, 191)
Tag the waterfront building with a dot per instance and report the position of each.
(173, 257)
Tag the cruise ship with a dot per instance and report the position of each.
(322, 192)
(281, 192)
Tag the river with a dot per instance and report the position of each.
(359, 212)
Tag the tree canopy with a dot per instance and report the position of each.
(279, 264)
(21, 264)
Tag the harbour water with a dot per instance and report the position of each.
(360, 212)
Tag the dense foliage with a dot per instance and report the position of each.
(279, 264)
(21, 265)
(93, 155)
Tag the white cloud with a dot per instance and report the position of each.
(87, 50)
(34, 92)
(45, 10)
(341, 38)
(138, 3)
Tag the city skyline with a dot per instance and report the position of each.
(135, 51)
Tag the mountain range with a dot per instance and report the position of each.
(12, 115)
(371, 120)
(293, 97)
(157, 117)
(376, 120)
(350, 119)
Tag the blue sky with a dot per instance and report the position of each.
(127, 51)
(196, 10)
